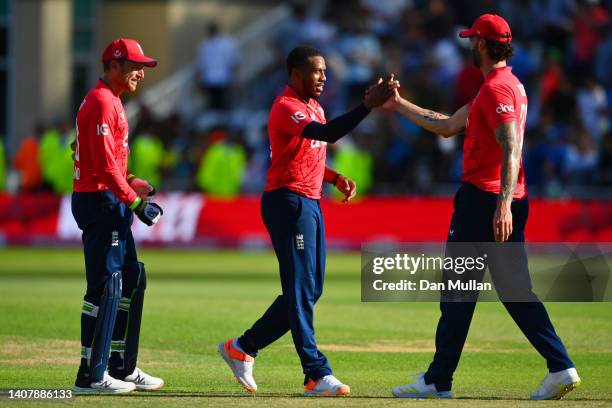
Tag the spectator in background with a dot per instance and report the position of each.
(581, 158)
(468, 81)
(589, 22)
(289, 33)
(50, 147)
(56, 158)
(27, 164)
(305, 26)
(362, 53)
(551, 76)
(217, 60)
(444, 55)
(222, 166)
(146, 158)
(355, 162)
(384, 14)
(558, 15)
(258, 162)
(524, 16)
(592, 106)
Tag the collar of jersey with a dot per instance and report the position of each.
(289, 91)
(106, 85)
(498, 70)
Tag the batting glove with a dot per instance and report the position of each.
(147, 212)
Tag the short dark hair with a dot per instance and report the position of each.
(499, 51)
(106, 64)
(298, 57)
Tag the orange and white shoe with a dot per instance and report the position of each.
(240, 363)
(328, 386)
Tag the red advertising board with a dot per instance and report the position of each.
(192, 219)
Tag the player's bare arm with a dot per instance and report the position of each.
(507, 137)
(435, 122)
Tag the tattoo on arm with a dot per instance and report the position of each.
(432, 116)
(507, 137)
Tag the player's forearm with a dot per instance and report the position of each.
(335, 129)
(506, 136)
(434, 122)
(330, 175)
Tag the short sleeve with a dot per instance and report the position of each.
(497, 105)
(289, 117)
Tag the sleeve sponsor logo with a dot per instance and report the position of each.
(315, 144)
(102, 129)
(298, 116)
(504, 108)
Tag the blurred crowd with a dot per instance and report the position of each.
(562, 53)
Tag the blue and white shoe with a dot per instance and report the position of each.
(418, 389)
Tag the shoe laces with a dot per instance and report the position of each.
(331, 380)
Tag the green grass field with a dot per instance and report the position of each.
(196, 299)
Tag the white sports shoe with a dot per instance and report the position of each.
(107, 385)
(328, 385)
(240, 363)
(555, 385)
(418, 389)
(144, 381)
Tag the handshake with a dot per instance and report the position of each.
(382, 93)
(148, 212)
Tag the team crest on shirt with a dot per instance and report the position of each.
(298, 116)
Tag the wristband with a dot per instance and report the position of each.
(335, 179)
(130, 177)
(135, 203)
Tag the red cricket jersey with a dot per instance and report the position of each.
(501, 98)
(297, 163)
(101, 153)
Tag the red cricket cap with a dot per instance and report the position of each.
(491, 27)
(127, 49)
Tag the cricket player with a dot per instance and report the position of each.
(104, 200)
(490, 206)
(290, 209)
